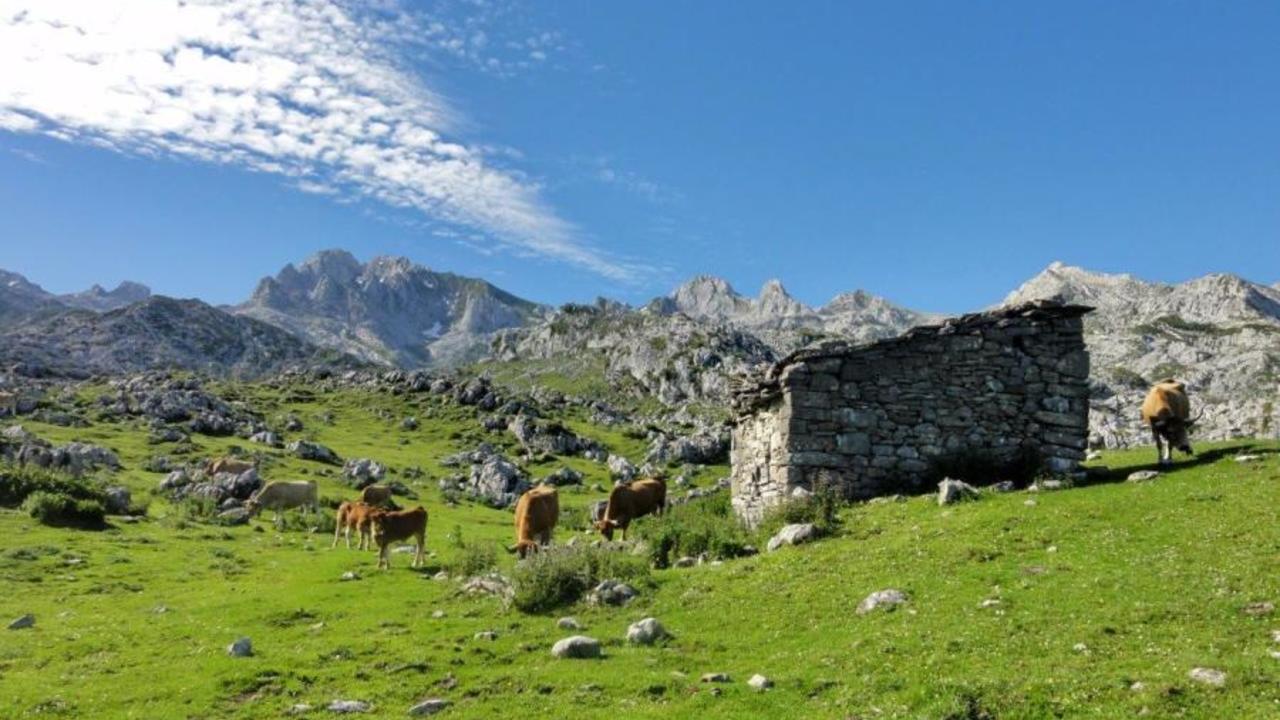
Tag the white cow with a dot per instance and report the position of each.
(281, 495)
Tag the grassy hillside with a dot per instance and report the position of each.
(1108, 595)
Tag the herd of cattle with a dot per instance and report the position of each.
(377, 522)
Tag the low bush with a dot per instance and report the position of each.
(474, 559)
(707, 525)
(62, 510)
(19, 483)
(560, 576)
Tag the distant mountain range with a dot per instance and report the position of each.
(1219, 333)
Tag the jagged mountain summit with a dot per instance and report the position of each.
(100, 299)
(158, 333)
(784, 322)
(389, 310)
(1218, 333)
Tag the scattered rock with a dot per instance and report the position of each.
(794, 534)
(621, 468)
(611, 592)
(486, 635)
(242, 647)
(118, 500)
(1244, 458)
(313, 451)
(1092, 455)
(577, 646)
(409, 423)
(234, 516)
(349, 706)
(564, 476)
(23, 622)
(349, 575)
(887, 599)
(1208, 676)
(1142, 476)
(760, 682)
(645, 632)
(568, 623)
(1080, 648)
(1004, 486)
(684, 562)
(497, 481)
(1259, 609)
(268, 438)
(360, 472)
(715, 677)
(299, 709)
(429, 707)
(953, 491)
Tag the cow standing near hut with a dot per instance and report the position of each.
(630, 501)
(537, 512)
(1168, 411)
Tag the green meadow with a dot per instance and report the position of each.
(1096, 601)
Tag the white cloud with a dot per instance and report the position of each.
(316, 91)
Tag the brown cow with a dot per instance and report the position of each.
(1168, 411)
(354, 515)
(227, 465)
(392, 525)
(377, 495)
(537, 512)
(631, 501)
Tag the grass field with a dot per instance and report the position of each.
(1108, 595)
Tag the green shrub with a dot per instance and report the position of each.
(62, 510)
(821, 508)
(707, 525)
(18, 483)
(560, 576)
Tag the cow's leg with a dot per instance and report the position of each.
(420, 557)
(337, 530)
(1155, 434)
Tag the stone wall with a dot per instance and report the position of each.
(1005, 390)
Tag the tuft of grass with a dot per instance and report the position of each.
(62, 510)
(822, 509)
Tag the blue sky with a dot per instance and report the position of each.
(934, 153)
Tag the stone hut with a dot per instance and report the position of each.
(1003, 393)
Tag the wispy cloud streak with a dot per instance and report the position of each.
(314, 90)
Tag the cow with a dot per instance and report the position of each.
(537, 512)
(631, 501)
(281, 495)
(377, 495)
(354, 515)
(1168, 411)
(392, 525)
(8, 403)
(227, 465)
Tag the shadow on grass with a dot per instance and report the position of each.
(1105, 474)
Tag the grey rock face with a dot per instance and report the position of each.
(118, 500)
(621, 468)
(349, 706)
(497, 481)
(760, 682)
(611, 592)
(313, 451)
(100, 299)
(388, 311)
(645, 632)
(431, 706)
(881, 599)
(794, 534)
(242, 647)
(1208, 676)
(702, 448)
(576, 647)
(361, 472)
(23, 622)
(953, 491)
(564, 476)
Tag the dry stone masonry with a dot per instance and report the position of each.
(1004, 392)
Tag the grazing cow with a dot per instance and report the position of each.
(392, 525)
(377, 495)
(1168, 411)
(631, 501)
(281, 495)
(227, 465)
(354, 515)
(536, 514)
(8, 403)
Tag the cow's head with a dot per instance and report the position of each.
(606, 528)
(1174, 431)
(252, 505)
